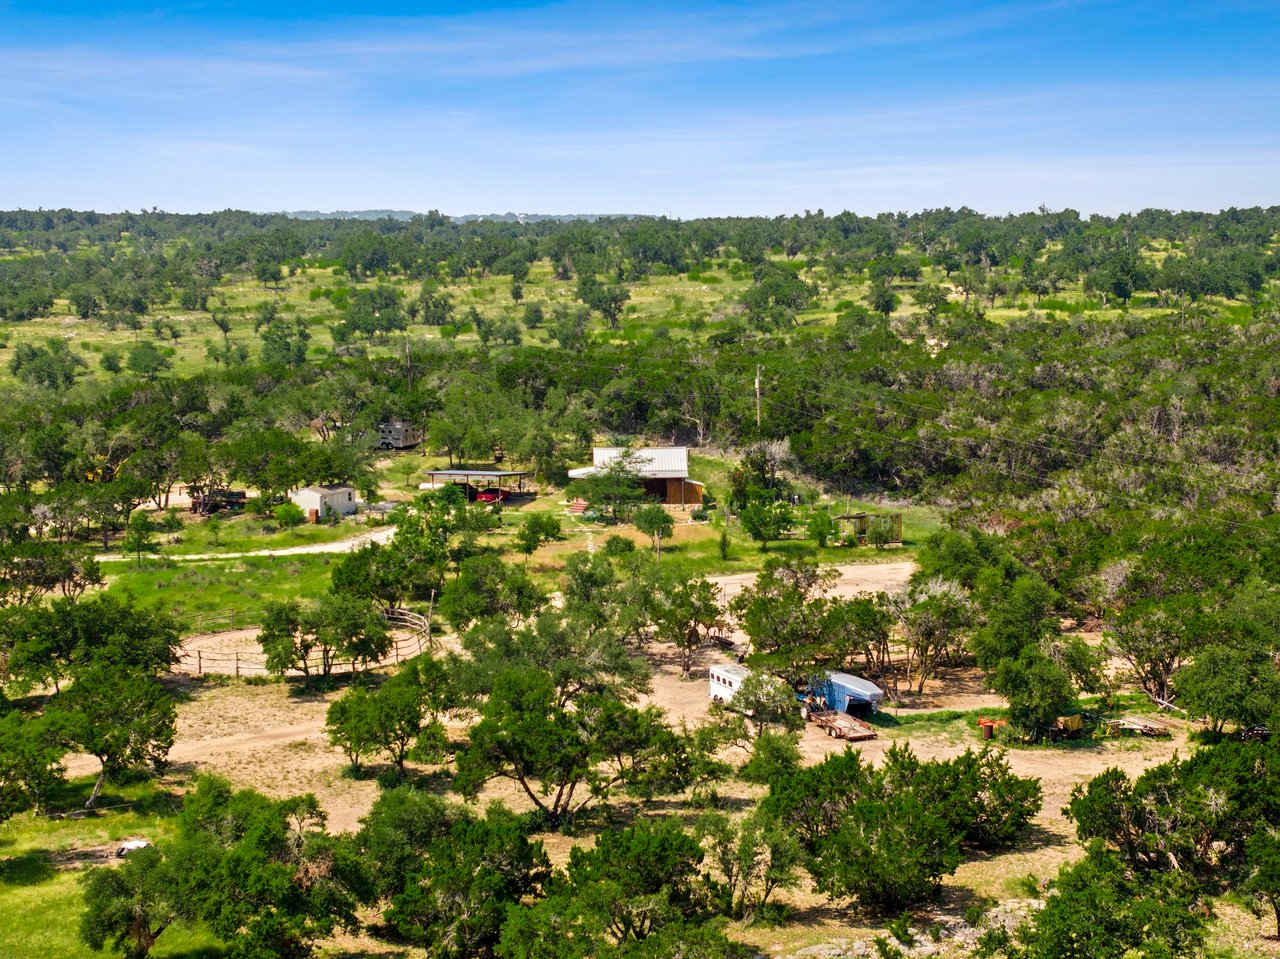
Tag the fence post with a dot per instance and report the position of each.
(199, 664)
(431, 608)
(237, 665)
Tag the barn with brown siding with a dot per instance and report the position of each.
(665, 470)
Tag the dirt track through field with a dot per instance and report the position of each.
(338, 546)
(271, 736)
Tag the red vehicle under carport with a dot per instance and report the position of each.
(483, 486)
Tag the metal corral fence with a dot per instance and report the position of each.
(223, 620)
(254, 663)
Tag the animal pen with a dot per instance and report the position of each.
(863, 523)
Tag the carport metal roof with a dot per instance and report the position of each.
(478, 474)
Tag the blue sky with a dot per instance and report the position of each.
(686, 109)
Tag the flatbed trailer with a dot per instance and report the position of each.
(842, 725)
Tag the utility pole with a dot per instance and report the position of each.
(759, 369)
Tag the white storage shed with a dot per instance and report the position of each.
(318, 501)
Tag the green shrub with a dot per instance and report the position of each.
(618, 546)
(1101, 909)
(888, 854)
(1029, 886)
(979, 796)
(288, 514)
(887, 950)
(900, 929)
(976, 912)
(773, 755)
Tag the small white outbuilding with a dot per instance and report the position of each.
(319, 501)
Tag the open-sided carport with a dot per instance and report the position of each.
(476, 480)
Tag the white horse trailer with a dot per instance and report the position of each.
(725, 680)
(398, 435)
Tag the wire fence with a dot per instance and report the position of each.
(223, 620)
(200, 661)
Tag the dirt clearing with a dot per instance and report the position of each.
(853, 579)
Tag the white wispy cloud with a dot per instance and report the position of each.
(702, 109)
(554, 39)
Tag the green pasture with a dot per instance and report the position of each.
(231, 533)
(200, 587)
(42, 859)
(694, 305)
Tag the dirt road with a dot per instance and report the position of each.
(381, 535)
(269, 737)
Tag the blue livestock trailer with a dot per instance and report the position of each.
(844, 693)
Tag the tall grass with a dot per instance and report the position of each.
(40, 896)
(205, 586)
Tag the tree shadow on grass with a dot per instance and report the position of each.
(437, 780)
(791, 549)
(681, 808)
(384, 934)
(28, 869)
(959, 900)
(30, 703)
(1035, 836)
(595, 819)
(822, 913)
(434, 779)
(67, 799)
(185, 688)
(314, 688)
(198, 952)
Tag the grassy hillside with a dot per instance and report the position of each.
(686, 306)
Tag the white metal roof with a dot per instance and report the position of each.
(330, 488)
(653, 462)
(862, 687)
(731, 671)
(481, 474)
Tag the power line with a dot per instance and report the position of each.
(1125, 497)
(1084, 457)
(1130, 500)
(874, 405)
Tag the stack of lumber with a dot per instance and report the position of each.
(1143, 725)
